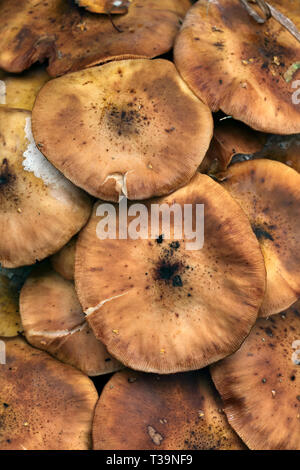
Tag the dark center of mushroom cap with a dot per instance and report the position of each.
(261, 233)
(6, 175)
(128, 119)
(7, 184)
(169, 268)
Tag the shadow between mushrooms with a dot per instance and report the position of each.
(10, 321)
(129, 128)
(159, 307)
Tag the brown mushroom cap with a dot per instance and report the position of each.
(139, 411)
(269, 193)
(44, 404)
(10, 321)
(112, 7)
(39, 209)
(239, 66)
(130, 127)
(19, 91)
(160, 307)
(260, 384)
(63, 262)
(53, 320)
(72, 39)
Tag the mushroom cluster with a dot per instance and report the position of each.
(150, 225)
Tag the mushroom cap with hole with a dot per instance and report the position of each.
(239, 66)
(72, 38)
(63, 261)
(109, 7)
(10, 321)
(161, 304)
(269, 193)
(44, 404)
(19, 91)
(230, 138)
(40, 210)
(128, 127)
(139, 411)
(260, 384)
(53, 321)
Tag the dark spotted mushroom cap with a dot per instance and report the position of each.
(260, 384)
(239, 66)
(269, 193)
(129, 127)
(161, 307)
(44, 404)
(72, 38)
(149, 412)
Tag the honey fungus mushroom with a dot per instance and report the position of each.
(40, 210)
(128, 128)
(53, 320)
(63, 262)
(260, 384)
(269, 193)
(19, 91)
(160, 305)
(139, 411)
(72, 38)
(44, 404)
(239, 66)
(108, 7)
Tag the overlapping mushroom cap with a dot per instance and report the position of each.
(148, 412)
(260, 384)
(40, 210)
(108, 7)
(159, 304)
(44, 404)
(53, 320)
(72, 39)
(63, 262)
(244, 68)
(269, 193)
(129, 127)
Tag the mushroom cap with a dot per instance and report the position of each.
(39, 209)
(111, 7)
(234, 64)
(63, 262)
(161, 306)
(53, 320)
(76, 39)
(230, 138)
(260, 384)
(10, 321)
(19, 91)
(44, 404)
(269, 193)
(128, 127)
(139, 411)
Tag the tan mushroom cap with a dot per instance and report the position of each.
(105, 6)
(139, 411)
(230, 138)
(10, 321)
(39, 209)
(162, 306)
(19, 91)
(260, 384)
(63, 262)
(269, 193)
(44, 404)
(239, 66)
(53, 320)
(130, 127)
(72, 38)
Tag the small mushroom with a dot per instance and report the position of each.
(44, 404)
(63, 262)
(53, 320)
(10, 321)
(239, 66)
(40, 210)
(108, 7)
(162, 306)
(260, 384)
(72, 39)
(139, 411)
(128, 128)
(269, 193)
(19, 91)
